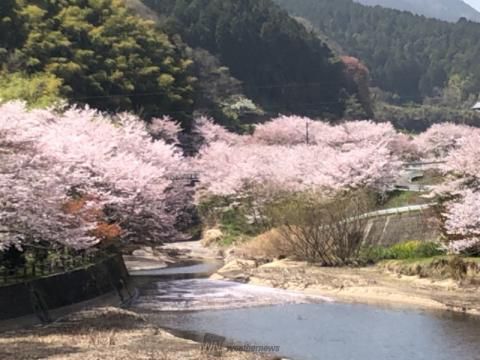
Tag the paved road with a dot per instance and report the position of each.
(412, 171)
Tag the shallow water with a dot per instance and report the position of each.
(334, 331)
(194, 269)
(304, 327)
(204, 294)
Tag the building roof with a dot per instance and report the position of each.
(476, 106)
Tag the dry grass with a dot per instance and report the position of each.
(466, 271)
(269, 245)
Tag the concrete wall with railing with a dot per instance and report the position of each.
(40, 295)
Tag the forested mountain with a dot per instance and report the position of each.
(448, 10)
(410, 56)
(281, 65)
(154, 57)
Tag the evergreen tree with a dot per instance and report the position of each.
(409, 55)
(282, 66)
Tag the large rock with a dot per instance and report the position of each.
(237, 266)
(146, 252)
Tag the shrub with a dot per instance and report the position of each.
(373, 254)
(12, 258)
(457, 267)
(210, 209)
(429, 249)
(414, 250)
(235, 223)
(328, 231)
(268, 245)
(233, 217)
(401, 251)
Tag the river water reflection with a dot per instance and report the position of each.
(334, 331)
(305, 327)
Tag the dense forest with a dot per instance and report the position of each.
(220, 58)
(94, 52)
(240, 61)
(281, 65)
(448, 10)
(410, 57)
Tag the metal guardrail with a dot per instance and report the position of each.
(398, 210)
(421, 163)
(387, 212)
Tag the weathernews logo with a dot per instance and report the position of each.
(216, 345)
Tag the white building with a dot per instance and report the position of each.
(476, 107)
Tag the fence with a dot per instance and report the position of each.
(36, 268)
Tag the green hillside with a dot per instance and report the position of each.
(410, 56)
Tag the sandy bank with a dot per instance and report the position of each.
(369, 285)
(169, 254)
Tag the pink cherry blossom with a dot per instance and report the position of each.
(165, 128)
(112, 159)
(440, 139)
(211, 132)
(337, 158)
(461, 153)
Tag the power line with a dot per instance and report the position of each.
(161, 92)
(248, 86)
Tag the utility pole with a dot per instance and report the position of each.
(306, 131)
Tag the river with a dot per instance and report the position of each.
(304, 327)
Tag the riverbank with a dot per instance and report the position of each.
(376, 285)
(114, 333)
(104, 333)
(390, 283)
(170, 255)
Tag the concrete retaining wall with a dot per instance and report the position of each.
(39, 295)
(392, 229)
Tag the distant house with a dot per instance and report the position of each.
(476, 107)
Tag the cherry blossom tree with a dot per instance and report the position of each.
(462, 193)
(166, 129)
(337, 158)
(288, 130)
(440, 139)
(52, 157)
(33, 187)
(457, 147)
(405, 147)
(295, 130)
(211, 132)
